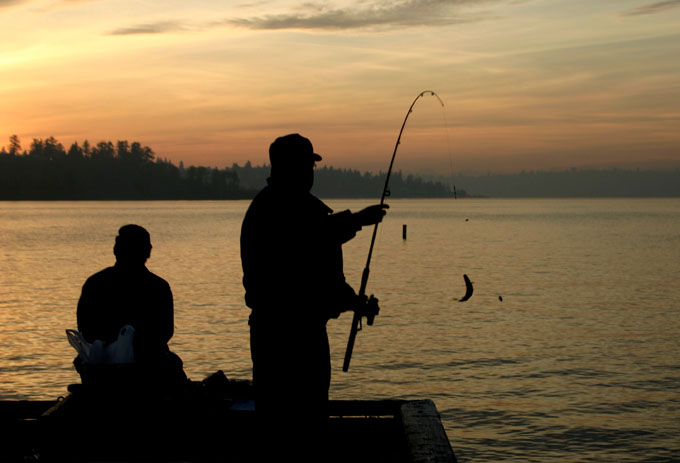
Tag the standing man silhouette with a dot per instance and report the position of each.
(291, 252)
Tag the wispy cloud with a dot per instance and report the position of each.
(254, 4)
(4, 3)
(652, 8)
(364, 15)
(151, 28)
(321, 16)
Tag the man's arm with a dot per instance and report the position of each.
(345, 225)
(370, 215)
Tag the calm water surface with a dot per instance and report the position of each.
(579, 361)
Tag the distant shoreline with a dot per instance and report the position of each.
(131, 176)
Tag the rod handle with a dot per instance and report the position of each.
(355, 323)
(350, 342)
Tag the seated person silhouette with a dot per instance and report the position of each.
(129, 294)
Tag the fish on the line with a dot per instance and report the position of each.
(468, 289)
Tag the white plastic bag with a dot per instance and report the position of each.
(121, 350)
(76, 339)
(118, 352)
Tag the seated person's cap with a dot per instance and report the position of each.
(292, 148)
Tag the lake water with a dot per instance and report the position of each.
(579, 361)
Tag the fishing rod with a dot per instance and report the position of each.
(356, 320)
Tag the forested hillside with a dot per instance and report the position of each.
(131, 171)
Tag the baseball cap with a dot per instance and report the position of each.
(291, 149)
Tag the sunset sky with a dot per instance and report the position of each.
(527, 84)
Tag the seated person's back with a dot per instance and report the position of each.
(129, 294)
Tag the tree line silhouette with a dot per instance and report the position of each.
(131, 171)
(330, 182)
(124, 171)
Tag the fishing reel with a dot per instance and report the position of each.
(369, 308)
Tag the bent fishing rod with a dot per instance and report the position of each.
(356, 320)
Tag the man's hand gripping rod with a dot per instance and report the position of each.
(358, 314)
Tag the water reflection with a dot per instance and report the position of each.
(578, 362)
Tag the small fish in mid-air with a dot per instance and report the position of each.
(468, 289)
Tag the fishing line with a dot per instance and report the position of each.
(448, 146)
(469, 284)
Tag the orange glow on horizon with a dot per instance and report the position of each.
(585, 85)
